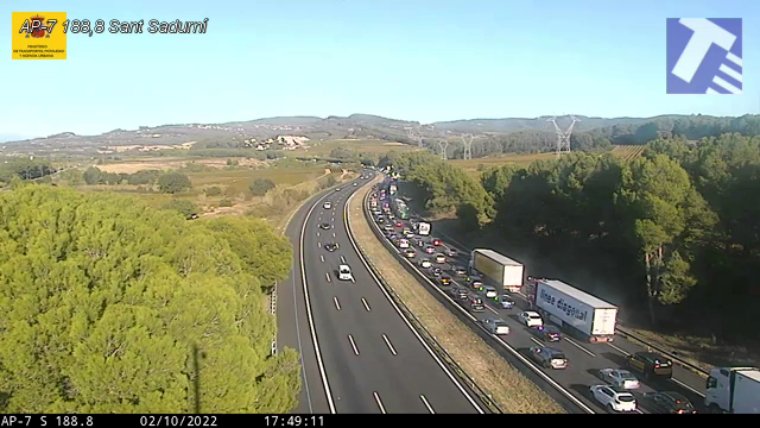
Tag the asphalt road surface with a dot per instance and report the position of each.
(585, 359)
(366, 358)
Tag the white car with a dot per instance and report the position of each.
(409, 253)
(440, 258)
(619, 378)
(531, 319)
(403, 244)
(491, 292)
(425, 264)
(496, 326)
(327, 205)
(344, 273)
(617, 401)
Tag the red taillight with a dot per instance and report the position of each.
(680, 411)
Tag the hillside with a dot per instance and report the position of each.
(493, 135)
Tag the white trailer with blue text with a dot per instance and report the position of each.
(576, 311)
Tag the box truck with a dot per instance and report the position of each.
(733, 390)
(423, 228)
(507, 273)
(580, 313)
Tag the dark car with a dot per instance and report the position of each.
(668, 402)
(462, 294)
(460, 271)
(437, 242)
(548, 333)
(548, 357)
(380, 220)
(331, 246)
(444, 281)
(436, 272)
(476, 304)
(650, 364)
(324, 226)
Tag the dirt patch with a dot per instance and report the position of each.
(509, 389)
(132, 167)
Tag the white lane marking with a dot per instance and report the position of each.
(536, 341)
(334, 235)
(379, 402)
(390, 346)
(327, 275)
(454, 380)
(491, 309)
(337, 304)
(638, 411)
(317, 233)
(353, 344)
(343, 259)
(319, 244)
(366, 304)
(579, 346)
(427, 404)
(322, 257)
(352, 279)
(310, 317)
(687, 387)
(622, 351)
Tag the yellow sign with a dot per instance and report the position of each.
(38, 35)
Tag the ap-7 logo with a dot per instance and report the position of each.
(704, 55)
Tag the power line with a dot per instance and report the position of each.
(467, 141)
(563, 137)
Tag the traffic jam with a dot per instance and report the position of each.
(528, 315)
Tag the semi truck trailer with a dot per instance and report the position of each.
(507, 273)
(589, 317)
(733, 390)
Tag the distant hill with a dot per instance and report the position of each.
(521, 134)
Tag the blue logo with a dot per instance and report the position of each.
(704, 55)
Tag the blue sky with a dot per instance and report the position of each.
(409, 59)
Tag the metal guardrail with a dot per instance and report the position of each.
(273, 309)
(623, 332)
(484, 397)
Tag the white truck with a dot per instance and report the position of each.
(733, 390)
(591, 318)
(423, 228)
(506, 272)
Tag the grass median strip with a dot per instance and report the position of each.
(506, 386)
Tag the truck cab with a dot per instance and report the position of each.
(733, 390)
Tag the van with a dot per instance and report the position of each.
(650, 364)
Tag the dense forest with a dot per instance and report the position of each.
(110, 306)
(673, 236)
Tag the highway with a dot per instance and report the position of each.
(359, 355)
(585, 359)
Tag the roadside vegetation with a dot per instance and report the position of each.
(112, 306)
(670, 235)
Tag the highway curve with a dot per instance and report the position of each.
(366, 359)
